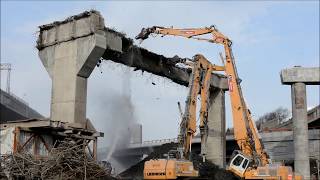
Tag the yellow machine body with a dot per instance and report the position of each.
(272, 173)
(168, 169)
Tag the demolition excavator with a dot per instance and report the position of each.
(178, 163)
(251, 161)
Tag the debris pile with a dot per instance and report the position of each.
(136, 171)
(206, 169)
(210, 171)
(68, 160)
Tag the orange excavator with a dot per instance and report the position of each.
(251, 161)
(178, 163)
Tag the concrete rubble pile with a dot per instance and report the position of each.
(68, 160)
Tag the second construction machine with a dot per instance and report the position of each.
(251, 160)
(178, 163)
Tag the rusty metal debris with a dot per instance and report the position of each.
(68, 160)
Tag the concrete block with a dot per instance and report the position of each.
(84, 24)
(219, 82)
(89, 50)
(309, 76)
(46, 60)
(114, 41)
(65, 31)
(82, 27)
(49, 36)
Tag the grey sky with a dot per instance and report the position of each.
(267, 37)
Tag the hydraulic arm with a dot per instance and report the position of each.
(246, 133)
(199, 82)
(251, 161)
(179, 164)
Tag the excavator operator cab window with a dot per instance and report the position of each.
(245, 163)
(237, 160)
(174, 154)
(239, 163)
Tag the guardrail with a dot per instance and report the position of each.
(159, 141)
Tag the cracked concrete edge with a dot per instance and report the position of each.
(120, 49)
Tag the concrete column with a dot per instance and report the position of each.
(300, 130)
(298, 77)
(69, 50)
(215, 147)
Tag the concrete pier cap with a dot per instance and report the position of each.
(298, 77)
(307, 75)
(69, 50)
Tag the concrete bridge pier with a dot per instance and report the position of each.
(69, 50)
(300, 129)
(298, 78)
(214, 147)
(216, 140)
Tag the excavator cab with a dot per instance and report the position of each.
(239, 163)
(175, 154)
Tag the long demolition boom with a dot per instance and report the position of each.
(199, 82)
(245, 131)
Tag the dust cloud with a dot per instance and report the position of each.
(122, 115)
(114, 115)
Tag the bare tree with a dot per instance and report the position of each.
(279, 114)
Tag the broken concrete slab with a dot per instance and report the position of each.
(71, 48)
(144, 60)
